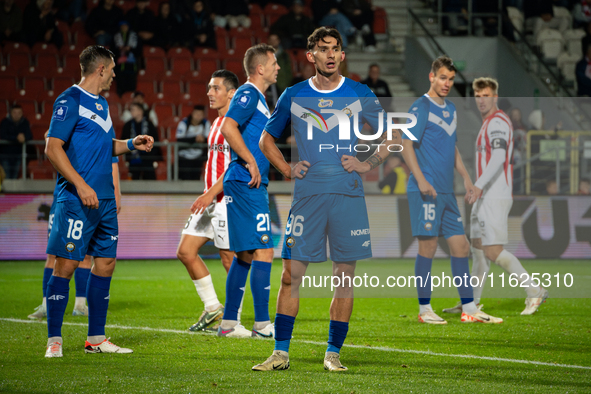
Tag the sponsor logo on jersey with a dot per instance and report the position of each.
(322, 103)
(60, 112)
(93, 117)
(98, 106)
(56, 297)
(290, 242)
(228, 199)
(63, 101)
(445, 114)
(243, 100)
(355, 233)
(265, 238)
(222, 223)
(428, 226)
(70, 247)
(460, 219)
(219, 147)
(114, 237)
(480, 148)
(366, 244)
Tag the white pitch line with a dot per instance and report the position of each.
(379, 348)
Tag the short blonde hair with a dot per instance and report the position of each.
(485, 82)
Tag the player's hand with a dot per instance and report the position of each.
(88, 196)
(352, 163)
(255, 175)
(118, 202)
(426, 188)
(299, 170)
(473, 194)
(143, 142)
(202, 202)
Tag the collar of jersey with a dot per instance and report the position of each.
(325, 91)
(253, 85)
(435, 102)
(84, 91)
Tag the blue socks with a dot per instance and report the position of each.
(423, 270)
(58, 290)
(337, 333)
(98, 303)
(47, 272)
(81, 279)
(235, 283)
(260, 285)
(283, 331)
(460, 267)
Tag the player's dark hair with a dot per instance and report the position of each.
(321, 33)
(256, 55)
(90, 57)
(374, 65)
(199, 107)
(16, 106)
(230, 79)
(443, 61)
(485, 82)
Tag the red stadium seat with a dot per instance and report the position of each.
(29, 107)
(164, 110)
(71, 66)
(178, 52)
(171, 90)
(35, 86)
(380, 23)
(38, 131)
(235, 65)
(149, 90)
(59, 84)
(4, 108)
(181, 66)
(9, 89)
(256, 21)
(205, 53)
(46, 64)
(155, 65)
(197, 92)
(42, 47)
(355, 77)
(221, 39)
(65, 30)
(16, 47)
(207, 66)
(153, 52)
(123, 170)
(41, 169)
(241, 44)
(18, 62)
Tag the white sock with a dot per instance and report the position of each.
(207, 293)
(469, 308)
(227, 324)
(44, 303)
(511, 264)
(54, 339)
(80, 303)
(480, 268)
(240, 309)
(96, 339)
(425, 308)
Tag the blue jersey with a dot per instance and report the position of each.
(249, 109)
(318, 133)
(83, 122)
(435, 147)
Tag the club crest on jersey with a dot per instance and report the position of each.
(322, 103)
(290, 242)
(98, 106)
(60, 112)
(70, 247)
(243, 100)
(265, 238)
(222, 223)
(428, 226)
(348, 112)
(445, 114)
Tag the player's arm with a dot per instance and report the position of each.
(117, 186)
(140, 142)
(498, 144)
(470, 196)
(54, 149)
(231, 133)
(410, 158)
(205, 200)
(268, 145)
(351, 163)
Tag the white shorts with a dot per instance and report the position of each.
(212, 223)
(488, 221)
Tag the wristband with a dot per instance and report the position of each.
(130, 144)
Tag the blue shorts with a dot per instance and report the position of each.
(51, 216)
(434, 217)
(339, 218)
(78, 231)
(249, 220)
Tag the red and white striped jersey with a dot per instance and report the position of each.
(496, 132)
(218, 156)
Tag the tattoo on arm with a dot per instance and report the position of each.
(374, 161)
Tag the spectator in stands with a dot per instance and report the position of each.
(168, 28)
(582, 12)
(231, 13)
(15, 129)
(139, 98)
(11, 22)
(194, 128)
(285, 74)
(202, 26)
(103, 22)
(329, 13)
(378, 86)
(307, 72)
(586, 41)
(361, 15)
(127, 51)
(40, 24)
(539, 15)
(583, 73)
(141, 164)
(552, 188)
(293, 28)
(584, 187)
(143, 21)
(395, 176)
(457, 22)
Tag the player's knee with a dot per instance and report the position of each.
(286, 278)
(477, 243)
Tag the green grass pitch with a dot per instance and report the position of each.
(154, 302)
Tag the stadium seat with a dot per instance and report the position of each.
(29, 107)
(181, 66)
(550, 42)
(516, 17)
(235, 65)
(256, 21)
(185, 109)
(254, 8)
(567, 63)
(380, 22)
(18, 62)
(355, 77)
(205, 53)
(38, 169)
(241, 44)
(9, 89)
(274, 12)
(35, 87)
(4, 108)
(46, 64)
(59, 84)
(42, 47)
(171, 90)
(16, 47)
(148, 88)
(164, 110)
(207, 66)
(149, 51)
(197, 92)
(65, 30)
(71, 65)
(38, 130)
(573, 39)
(155, 65)
(178, 52)
(123, 170)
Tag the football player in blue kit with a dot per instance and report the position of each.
(81, 146)
(245, 192)
(432, 203)
(328, 201)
